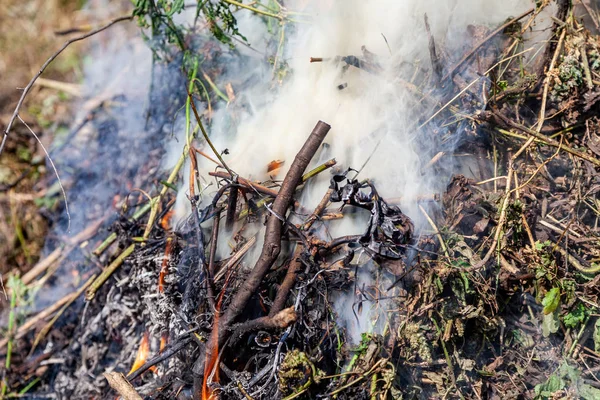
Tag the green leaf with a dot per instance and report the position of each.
(523, 339)
(587, 392)
(547, 389)
(550, 324)
(551, 301)
(176, 7)
(575, 317)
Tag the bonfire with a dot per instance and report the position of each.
(340, 200)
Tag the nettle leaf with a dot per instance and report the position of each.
(547, 389)
(588, 392)
(550, 324)
(576, 316)
(551, 301)
(572, 374)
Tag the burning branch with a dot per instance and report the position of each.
(272, 244)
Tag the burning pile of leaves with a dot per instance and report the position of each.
(499, 299)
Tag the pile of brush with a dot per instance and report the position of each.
(498, 298)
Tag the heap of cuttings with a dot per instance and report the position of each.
(389, 230)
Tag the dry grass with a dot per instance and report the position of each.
(27, 38)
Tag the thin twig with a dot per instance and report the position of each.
(62, 188)
(484, 41)
(205, 134)
(43, 68)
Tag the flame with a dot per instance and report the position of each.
(210, 363)
(142, 354)
(164, 267)
(164, 339)
(165, 222)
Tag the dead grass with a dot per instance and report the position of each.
(27, 38)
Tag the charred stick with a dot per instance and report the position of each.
(213, 245)
(342, 240)
(272, 243)
(246, 183)
(295, 264)
(194, 175)
(214, 237)
(193, 202)
(166, 353)
(199, 234)
(435, 60)
(220, 193)
(231, 206)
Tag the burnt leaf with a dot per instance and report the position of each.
(389, 230)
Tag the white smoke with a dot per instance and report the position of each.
(369, 117)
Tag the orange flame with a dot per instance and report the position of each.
(164, 266)
(165, 221)
(164, 339)
(142, 354)
(211, 361)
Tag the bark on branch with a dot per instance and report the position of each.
(272, 243)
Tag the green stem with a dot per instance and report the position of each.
(448, 359)
(205, 134)
(9, 346)
(318, 170)
(215, 88)
(254, 10)
(108, 271)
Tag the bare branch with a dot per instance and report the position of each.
(43, 68)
